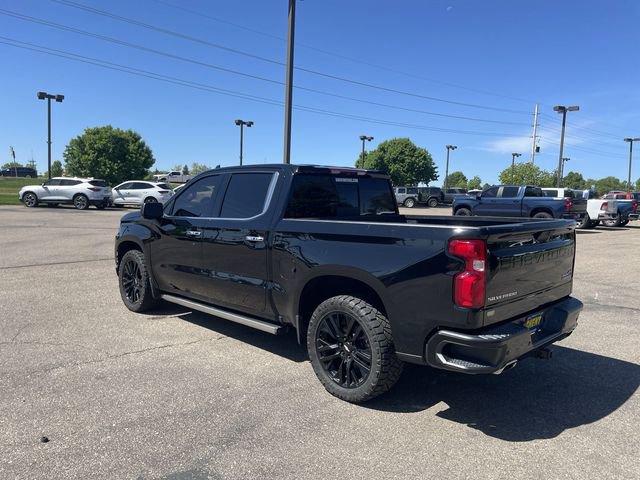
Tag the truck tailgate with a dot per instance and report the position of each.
(522, 264)
(579, 205)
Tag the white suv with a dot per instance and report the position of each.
(138, 192)
(80, 192)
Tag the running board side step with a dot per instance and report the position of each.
(234, 317)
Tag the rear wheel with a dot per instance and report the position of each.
(150, 200)
(623, 223)
(432, 202)
(351, 349)
(81, 202)
(584, 223)
(594, 223)
(409, 203)
(616, 222)
(463, 212)
(134, 282)
(543, 215)
(30, 199)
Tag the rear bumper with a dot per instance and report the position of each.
(100, 201)
(574, 216)
(496, 348)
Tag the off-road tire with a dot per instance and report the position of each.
(432, 203)
(584, 223)
(409, 203)
(144, 299)
(385, 369)
(464, 212)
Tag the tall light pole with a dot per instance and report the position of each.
(364, 138)
(288, 88)
(242, 124)
(630, 140)
(564, 160)
(563, 110)
(48, 97)
(446, 171)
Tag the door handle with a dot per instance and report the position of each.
(254, 238)
(194, 233)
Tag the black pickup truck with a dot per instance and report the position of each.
(324, 251)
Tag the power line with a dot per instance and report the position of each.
(201, 41)
(123, 43)
(211, 88)
(338, 55)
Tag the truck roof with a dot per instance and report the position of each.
(306, 169)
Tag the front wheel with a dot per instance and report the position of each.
(409, 203)
(432, 202)
(464, 212)
(81, 202)
(351, 349)
(134, 282)
(30, 200)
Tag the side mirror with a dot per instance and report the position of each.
(152, 210)
(478, 195)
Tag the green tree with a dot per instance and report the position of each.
(527, 174)
(456, 180)
(197, 168)
(485, 186)
(402, 160)
(13, 164)
(606, 184)
(638, 185)
(110, 153)
(56, 168)
(185, 169)
(475, 183)
(574, 180)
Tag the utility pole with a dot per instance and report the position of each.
(288, 89)
(446, 171)
(242, 124)
(563, 110)
(12, 153)
(630, 140)
(364, 138)
(48, 97)
(535, 134)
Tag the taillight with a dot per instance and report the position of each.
(568, 204)
(163, 191)
(94, 189)
(604, 206)
(469, 285)
(634, 206)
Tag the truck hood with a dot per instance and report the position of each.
(131, 217)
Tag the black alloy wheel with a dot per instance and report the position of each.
(135, 283)
(343, 349)
(132, 283)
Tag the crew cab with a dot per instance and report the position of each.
(519, 201)
(450, 194)
(323, 251)
(619, 209)
(593, 207)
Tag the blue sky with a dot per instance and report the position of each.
(502, 55)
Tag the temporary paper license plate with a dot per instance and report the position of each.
(532, 322)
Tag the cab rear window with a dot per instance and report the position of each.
(330, 196)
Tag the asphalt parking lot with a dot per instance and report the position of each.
(180, 395)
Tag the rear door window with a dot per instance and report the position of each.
(69, 183)
(509, 192)
(412, 191)
(401, 190)
(246, 195)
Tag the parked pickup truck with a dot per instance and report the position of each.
(172, 177)
(519, 201)
(590, 218)
(323, 251)
(618, 209)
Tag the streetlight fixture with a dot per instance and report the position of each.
(242, 124)
(630, 140)
(446, 171)
(48, 97)
(514, 155)
(563, 110)
(364, 138)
